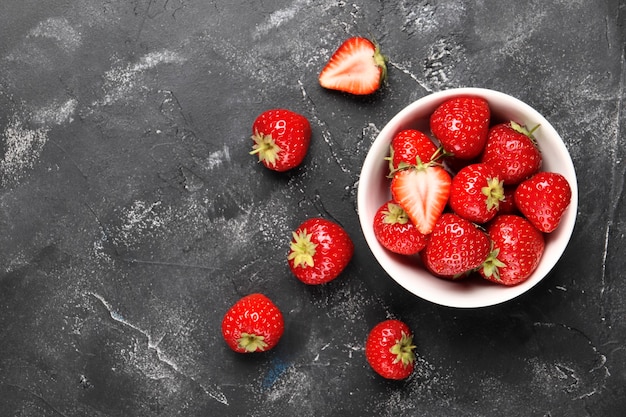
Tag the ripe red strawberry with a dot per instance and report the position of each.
(543, 198)
(253, 324)
(517, 249)
(281, 139)
(320, 250)
(455, 247)
(408, 145)
(422, 191)
(512, 149)
(356, 67)
(389, 349)
(461, 125)
(476, 193)
(395, 231)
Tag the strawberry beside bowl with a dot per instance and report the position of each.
(408, 271)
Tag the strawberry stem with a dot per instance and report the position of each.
(251, 342)
(403, 349)
(494, 191)
(302, 249)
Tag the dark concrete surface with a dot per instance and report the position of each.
(132, 216)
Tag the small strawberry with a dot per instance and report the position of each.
(389, 349)
(455, 247)
(281, 139)
(357, 67)
(476, 193)
(320, 250)
(512, 149)
(395, 231)
(253, 324)
(517, 249)
(543, 198)
(422, 191)
(408, 145)
(461, 125)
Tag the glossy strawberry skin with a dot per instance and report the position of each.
(408, 145)
(455, 247)
(254, 314)
(325, 245)
(513, 153)
(395, 231)
(379, 345)
(517, 245)
(423, 193)
(281, 139)
(461, 125)
(356, 67)
(543, 198)
(476, 193)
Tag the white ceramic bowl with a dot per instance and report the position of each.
(373, 191)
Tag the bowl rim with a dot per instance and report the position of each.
(556, 242)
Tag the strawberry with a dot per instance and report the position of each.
(476, 193)
(253, 324)
(512, 149)
(461, 125)
(543, 198)
(389, 349)
(408, 145)
(281, 139)
(320, 250)
(517, 249)
(356, 67)
(395, 231)
(422, 191)
(455, 247)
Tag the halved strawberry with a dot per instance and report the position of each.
(356, 67)
(422, 191)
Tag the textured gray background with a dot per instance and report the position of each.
(132, 216)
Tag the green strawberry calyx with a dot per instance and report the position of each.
(395, 214)
(380, 61)
(251, 342)
(439, 154)
(524, 130)
(302, 249)
(491, 266)
(403, 349)
(265, 147)
(494, 191)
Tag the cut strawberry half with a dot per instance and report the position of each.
(357, 67)
(422, 191)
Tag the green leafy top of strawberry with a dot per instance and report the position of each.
(491, 266)
(403, 349)
(494, 191)
(302, 249)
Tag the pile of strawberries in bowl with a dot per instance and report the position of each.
(468, 197)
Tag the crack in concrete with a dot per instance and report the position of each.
(212, 391)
